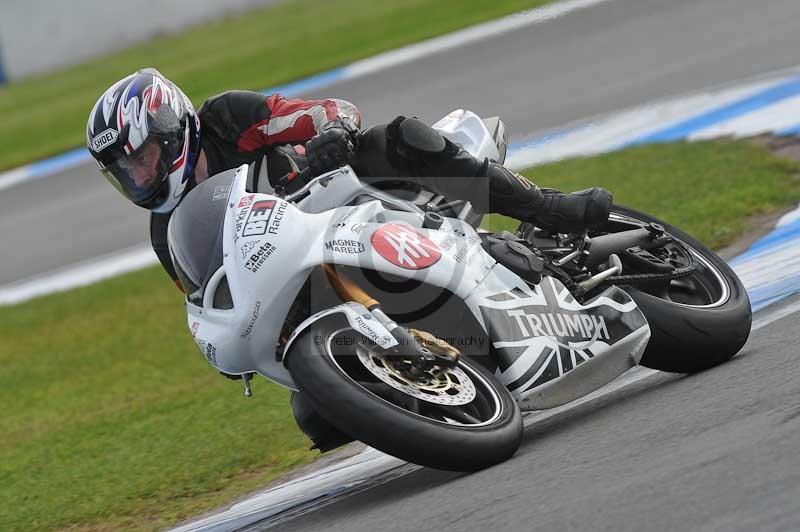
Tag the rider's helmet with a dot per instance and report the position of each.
(145, 136)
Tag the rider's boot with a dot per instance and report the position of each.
(513, 195)
(411, 142)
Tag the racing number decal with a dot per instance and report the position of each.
(259, 218)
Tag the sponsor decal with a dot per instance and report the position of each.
(221, 192)
(253, 318)
(247, 247)
(403, 246)
(342, 222)
(367, 330)
(259, 257)
(548, 334)
(240, 218)
(195, 326)
(462, 252)
(211, 354)
(343, 245)
(258, 220)
(448, 242)
(104, 140)
(574, 326)
(276, 220)
(246, 201)
(357, 228)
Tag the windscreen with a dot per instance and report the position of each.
(195, 233)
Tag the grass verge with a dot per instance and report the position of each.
(259, 49)
(712, 190)
(113, 420)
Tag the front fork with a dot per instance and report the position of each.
(424, 349)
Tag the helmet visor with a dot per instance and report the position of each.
(140, 175)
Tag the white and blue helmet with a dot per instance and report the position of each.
(145, 136)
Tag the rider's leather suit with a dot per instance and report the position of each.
(239, 127)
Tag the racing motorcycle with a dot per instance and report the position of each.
(411, 329)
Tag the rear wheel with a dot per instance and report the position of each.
(696, 321)
(458, 419)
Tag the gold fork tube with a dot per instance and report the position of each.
(347, 289)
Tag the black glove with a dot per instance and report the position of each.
(334, 146)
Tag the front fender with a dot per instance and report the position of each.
(359, 319)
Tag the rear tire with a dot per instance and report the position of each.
(686, 338)
(387, 421)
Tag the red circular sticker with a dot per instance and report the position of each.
(403, 246)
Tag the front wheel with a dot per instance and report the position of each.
(697, 321)
(458, 419)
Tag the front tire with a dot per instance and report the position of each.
(686, 338)
(326, 366)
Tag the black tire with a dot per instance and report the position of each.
(690, 338)
(383, 422)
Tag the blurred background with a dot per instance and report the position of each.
(685, 109)
(39, 36)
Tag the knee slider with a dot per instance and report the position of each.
(414, 140)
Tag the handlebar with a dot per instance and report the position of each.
(293, 181)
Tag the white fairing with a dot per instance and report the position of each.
(265, 270)
(467, 129)
(270, 246)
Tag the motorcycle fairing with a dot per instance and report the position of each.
(541, 334)
(270, 247)
(359, 319)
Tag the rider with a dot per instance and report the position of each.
(154, 148)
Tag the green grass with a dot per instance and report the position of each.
(709, 189)
(113, 419)
(47, 115)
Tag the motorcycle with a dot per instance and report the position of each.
(411, 329)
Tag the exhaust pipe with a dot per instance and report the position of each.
(603, 246)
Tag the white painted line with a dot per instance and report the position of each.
(406, 54)
(81, 274)
(771, 118)
(357, 470)
(14, 177)
(350, 472)
(458, 38)
(612, 131)
(776, 315)
(788, 218)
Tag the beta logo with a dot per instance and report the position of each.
(258, 220)
(259, 257)
(246, 201)
(104, 140)
(403, 246)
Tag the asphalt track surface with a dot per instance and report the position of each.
(714, 451)
(592, 61)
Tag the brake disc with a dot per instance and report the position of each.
(443, 386)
